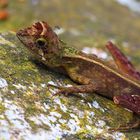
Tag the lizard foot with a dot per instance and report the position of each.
(61, 90)
(134, 124)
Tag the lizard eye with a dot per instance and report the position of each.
(41, 42)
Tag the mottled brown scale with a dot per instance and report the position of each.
(109, 87)
(92, 74)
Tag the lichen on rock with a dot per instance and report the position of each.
(28, 109)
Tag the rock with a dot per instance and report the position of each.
(29, 111)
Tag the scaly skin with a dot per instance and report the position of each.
(93, 74)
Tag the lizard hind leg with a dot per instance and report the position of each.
(131, 102)
(122, 61)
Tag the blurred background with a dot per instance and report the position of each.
(82, 23)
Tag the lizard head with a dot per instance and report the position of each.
(40, 40)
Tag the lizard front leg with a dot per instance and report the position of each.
(77, 89)
(86, 87)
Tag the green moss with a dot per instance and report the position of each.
(2, 108)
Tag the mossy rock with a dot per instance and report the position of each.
(29, 111)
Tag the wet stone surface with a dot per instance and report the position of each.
(29, 111)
